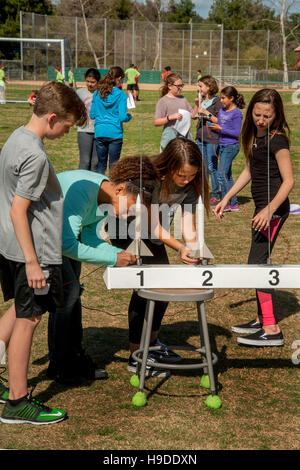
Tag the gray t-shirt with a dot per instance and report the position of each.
(185, 197)
(167, 105)
(26, 171)
(86, 97)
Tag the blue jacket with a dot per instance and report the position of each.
(109, 114)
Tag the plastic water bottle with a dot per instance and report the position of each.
(46, 289)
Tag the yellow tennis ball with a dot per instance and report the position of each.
(213, 401)
(204, 382)
(139, 399)
(134, 380)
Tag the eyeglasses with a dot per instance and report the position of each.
(179, 86)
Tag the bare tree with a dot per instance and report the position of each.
(153, 14)
(87, 34)
(283, 8)
(88, 10)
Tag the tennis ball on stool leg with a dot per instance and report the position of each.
(139, 399)
(213, 401)
(134, 380)
(204, 382)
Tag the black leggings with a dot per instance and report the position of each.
(267, 308)
(137, 305)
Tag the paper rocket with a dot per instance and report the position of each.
(201, 250)
(137, 247)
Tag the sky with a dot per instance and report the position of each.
(203, 7)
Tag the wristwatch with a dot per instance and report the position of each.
(209, 115)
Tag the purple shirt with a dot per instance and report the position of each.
(231, 122)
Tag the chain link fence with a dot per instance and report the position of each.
(231, 56)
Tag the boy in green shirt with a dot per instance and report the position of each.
(2, 85)
(59, 76)
(131, 73)
(71, 77)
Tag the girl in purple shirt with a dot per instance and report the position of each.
(229, 127)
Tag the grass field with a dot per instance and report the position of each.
(259, 388)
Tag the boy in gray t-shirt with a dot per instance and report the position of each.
(31, 242)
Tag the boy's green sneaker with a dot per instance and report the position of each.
(31, 411)
(4, 391)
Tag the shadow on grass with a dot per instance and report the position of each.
(104, 344)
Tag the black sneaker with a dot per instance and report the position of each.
(251, 327)
(4, 391)
(150, 370)
(260, 338)
(164, 354)
(31, 411)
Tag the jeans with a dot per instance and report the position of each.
(227, 153)
(104, 147)
(65, 329)
(88, 159)
(210, 160)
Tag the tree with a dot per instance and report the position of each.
(182, 11)
(239, 14)
(287, 27)
(123, 9)
(153, 12)
(10, 11)
(90, 11)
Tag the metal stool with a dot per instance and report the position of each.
(209, 359)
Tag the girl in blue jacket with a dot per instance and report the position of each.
(109, 111)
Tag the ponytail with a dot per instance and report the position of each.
(107, 83)
(238, 99)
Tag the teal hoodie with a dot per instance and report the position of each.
(109, 114)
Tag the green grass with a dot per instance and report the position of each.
(259, 388)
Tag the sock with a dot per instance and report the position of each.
(2, 352)
(16, 402)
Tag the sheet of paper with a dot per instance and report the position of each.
(130, 101)
(183, 125)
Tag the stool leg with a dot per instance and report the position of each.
(202, 314)
(202, 343)
(146, 341)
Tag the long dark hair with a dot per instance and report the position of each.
(278, 126)
(109, 80)
(176, 154)
(238, 99)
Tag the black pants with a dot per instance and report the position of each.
(137, 306)
(267, 308)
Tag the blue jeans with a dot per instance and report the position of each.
(104, 147)
(227, 153)
(65, 329)
(210, 160)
